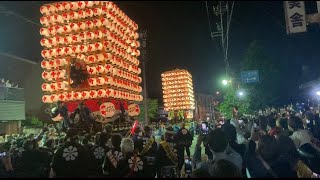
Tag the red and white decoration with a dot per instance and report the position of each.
(107, 110)
(133, 110)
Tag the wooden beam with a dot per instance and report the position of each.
(18, 58)
(313, 18)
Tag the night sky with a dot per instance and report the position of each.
(180, 38)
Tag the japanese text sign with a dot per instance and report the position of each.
(295, 15)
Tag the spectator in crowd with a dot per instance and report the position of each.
(183, 138)
(263, 123)
(308, 121)
(225, 169)
(218, 143)
(282, 123)
(71, 160)
(272, 126)
(87, 141)
(300, 135)
(261, 164)
(288, 158)
(8, 84)
(2, 82)
(131, 165)
(6, 165)
(113, 156)
(97, 155)
(31, 161)
(231, 133)
(166, 158)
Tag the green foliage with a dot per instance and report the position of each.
(32, 120)
(262, 93)
(231, 100)
(152, 109)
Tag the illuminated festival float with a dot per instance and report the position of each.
(178, 96)
(90, 51)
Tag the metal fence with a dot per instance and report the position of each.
(11, 94)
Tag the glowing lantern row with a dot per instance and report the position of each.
(180, 108)
(172, 91)
(54, 86)
(100, 81)
(116, 28)
(114, 49)
(177, 86)
(177, 82)
(110, 8)
(174, 78)
(85, 26)
(92, 70)
(69, 39)
(93, 94)
(53, 75)
(178, 104)
(65, 51)
(109, 69)
(120, 61)
(97, 58)
(176, 73)
(178, 95)
(53, 63)
(179, 99)
(126, 75)
(66, 6)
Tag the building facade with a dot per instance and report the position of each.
(204, 106)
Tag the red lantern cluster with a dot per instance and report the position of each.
(99, 34)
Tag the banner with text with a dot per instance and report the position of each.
(295, 15)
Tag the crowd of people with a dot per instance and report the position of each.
(8, 83)
(270, 144)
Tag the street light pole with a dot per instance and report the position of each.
(143, 37)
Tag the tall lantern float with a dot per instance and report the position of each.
(178, 95)
(80, 41)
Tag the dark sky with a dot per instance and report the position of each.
(179, 35)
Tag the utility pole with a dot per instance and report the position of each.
(143, 38)
(223, 14)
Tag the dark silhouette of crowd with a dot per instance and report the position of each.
(265, 146)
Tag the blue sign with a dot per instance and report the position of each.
(250, 76)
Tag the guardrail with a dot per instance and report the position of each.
(11, 94)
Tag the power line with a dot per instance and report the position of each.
(5, 10)
(227, 33)
(210, 28)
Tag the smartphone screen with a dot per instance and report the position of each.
(187, 161)
(204, 128)
(254, 125)
(188, 166)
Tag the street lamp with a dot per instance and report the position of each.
(240, 93)
(224, 82)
